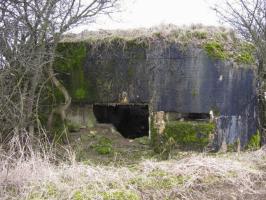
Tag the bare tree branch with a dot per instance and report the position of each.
(29, 33)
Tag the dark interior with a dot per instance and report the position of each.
(132, 121)
(196, 116)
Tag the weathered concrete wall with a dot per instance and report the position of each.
(169, 77)
(81, 115)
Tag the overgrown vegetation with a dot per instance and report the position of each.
(248, 19)
(182, 134)
(216, 50)
(28, 44)
(255, 141)
(219, 42)
(189, 134)
(38, 176)
(104, 146)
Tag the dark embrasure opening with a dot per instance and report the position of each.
(196, 116)
(132, 121)
(189, 116)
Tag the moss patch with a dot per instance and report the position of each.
(189, 134)
(70, 65)
(104, 146)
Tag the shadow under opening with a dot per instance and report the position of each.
(132, 121)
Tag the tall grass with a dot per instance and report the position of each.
(31, 170)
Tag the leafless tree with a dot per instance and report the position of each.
(248, 18)
(29, 33)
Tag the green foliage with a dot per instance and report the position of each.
(185, 134)
(104, 149)
(255, 141)
(80, 93)
(245, 54)
(215, 50)
(104, 146)
(189, 134)
(120, 195)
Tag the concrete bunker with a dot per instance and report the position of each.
(164, 77)
(131, 120)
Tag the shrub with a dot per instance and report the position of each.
(254, 142)
(215, 50)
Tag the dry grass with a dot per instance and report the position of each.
(219, 42)
(179, 33)
(197, 176)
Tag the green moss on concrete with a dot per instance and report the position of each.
(84, 86)
(80, 93)
(70, 65)
(70, 56)
(189, 134)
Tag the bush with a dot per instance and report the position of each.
(216, 50)
(254, 142)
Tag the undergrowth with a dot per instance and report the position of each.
(31, 174)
